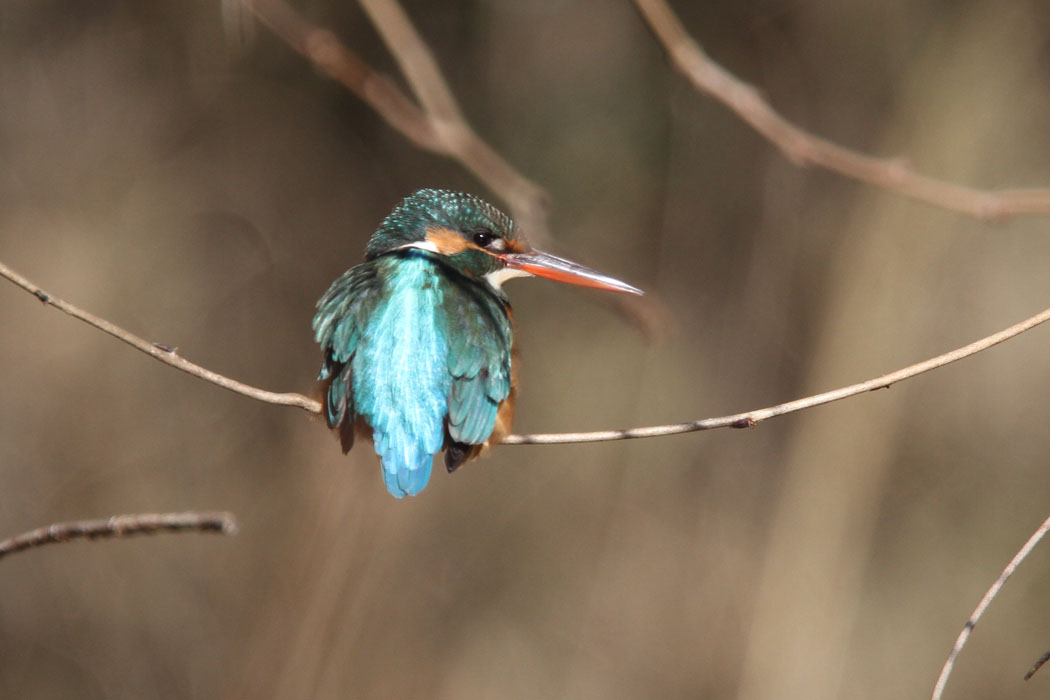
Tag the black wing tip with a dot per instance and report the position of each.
(338, 409)
(346, 436)
(455, 455)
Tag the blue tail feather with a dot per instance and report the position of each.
(418, 356)
(406, 464)
(400, 377)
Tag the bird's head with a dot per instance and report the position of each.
(476, 239)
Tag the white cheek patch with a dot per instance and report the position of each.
(422, 245)
(496, 278)
(498, 244)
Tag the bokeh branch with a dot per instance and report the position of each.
(329, 56)
(121, 526)
(439, 126)
(986, 600)
(748, 419)
(803, 148)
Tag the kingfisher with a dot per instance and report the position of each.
(418, 340)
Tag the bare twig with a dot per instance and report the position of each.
(121, 526)
(738, 420)
(804, 148)
(439, 126)
(751, 418)
(989, 595)
(1037, 665)
(157, 351)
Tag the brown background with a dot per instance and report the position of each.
(205, 196)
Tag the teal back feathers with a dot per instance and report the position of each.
(417, 350)
(418, 339)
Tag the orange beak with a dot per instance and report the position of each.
(552, 267)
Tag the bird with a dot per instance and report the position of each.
(418, 340)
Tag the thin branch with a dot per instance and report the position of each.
(804, 148)
(121, 526)
(439, 126)
(752, 418)
(989, 595)
(739, 420)
(1037, 665)
(158, 351)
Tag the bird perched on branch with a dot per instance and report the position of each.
(418, 340)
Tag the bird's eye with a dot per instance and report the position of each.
(483, 237)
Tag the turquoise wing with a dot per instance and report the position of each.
(339, 324)
(479, 356)
(422, 356)
(400, 381)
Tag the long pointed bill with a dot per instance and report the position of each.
(552, 267)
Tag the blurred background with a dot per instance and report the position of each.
(203, 192)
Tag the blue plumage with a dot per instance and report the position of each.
(418, 340)
(385, 327)
(400, 380)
